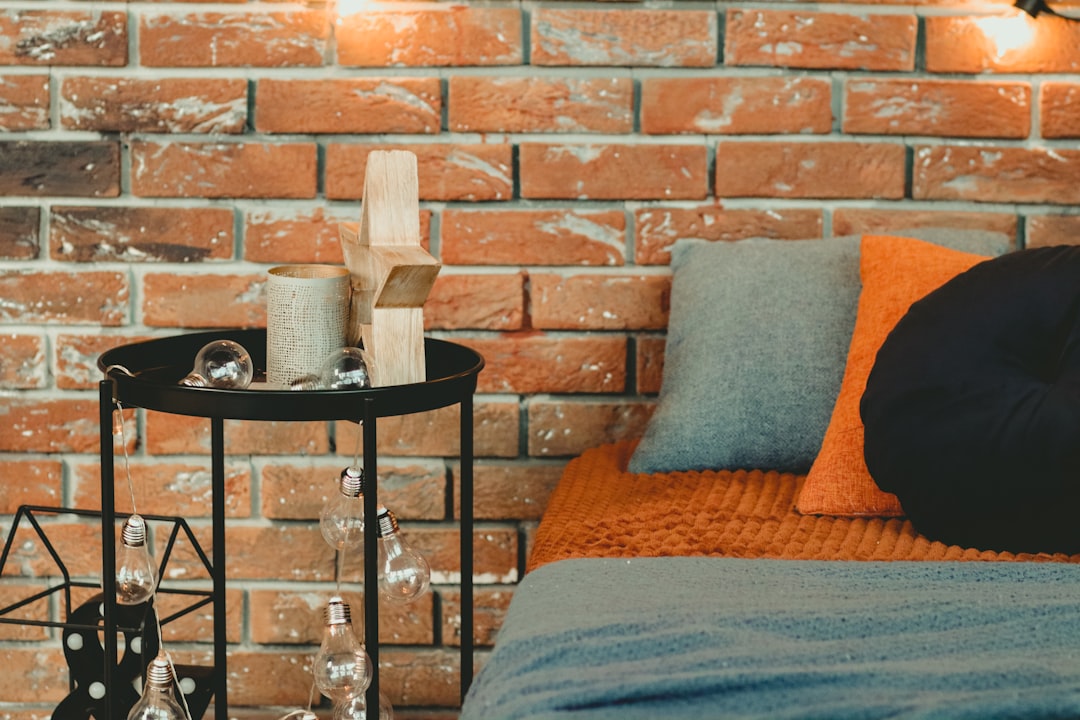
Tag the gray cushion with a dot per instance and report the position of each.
(757, 342)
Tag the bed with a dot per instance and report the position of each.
(740, 560)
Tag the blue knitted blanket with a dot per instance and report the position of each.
(701, 638)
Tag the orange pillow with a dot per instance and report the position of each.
(895, 273)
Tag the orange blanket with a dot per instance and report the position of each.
(601, 510)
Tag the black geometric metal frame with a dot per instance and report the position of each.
(82, 624)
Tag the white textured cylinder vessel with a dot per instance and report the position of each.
(307, 314)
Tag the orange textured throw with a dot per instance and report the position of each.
(601, 510)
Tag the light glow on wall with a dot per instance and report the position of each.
(1009, 33)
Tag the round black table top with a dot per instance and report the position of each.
(146, 374)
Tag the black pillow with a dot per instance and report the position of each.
(972, 409)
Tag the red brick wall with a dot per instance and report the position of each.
(155, 160)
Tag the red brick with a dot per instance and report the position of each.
(30, 675)
(534, 363)
(600, 302)
(482, 302)
(213, 170)
(22, 362)
(489, 610)
(349, 105)
(971, 45)
(64, 298)
(288, 235)
(50, 426)
(557, 236)
(25, 99)
(175, 489)
(541, 104)
(292, 617)
(31, 482)
(859, 221)
(510, 490)
(11, 593)
(959, 108)
(253, 39)
(997, 174)
(198, 625)
(657, 228)
(435, 35)
(293, 492)
(76, 541)
(820, 40)
(638, 37)
(64, 37)
(810, 170)
(76, 358)
(168, 434)
(422, 677)
(649, 364)
(435, 433)
(561, 429)
(19, 233)
(204, 301)
(181, 105)
(613, 172)
(446, 171)
(1058, 117)
(140, 234)
(736, 105)
(69, 169)
(1045, 230)
(295, 552)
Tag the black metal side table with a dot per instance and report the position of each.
(146, 374)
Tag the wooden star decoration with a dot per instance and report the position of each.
(391, 274)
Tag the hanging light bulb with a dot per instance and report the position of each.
(404, 574)
(158, 701)
(355, 708)
(221, 364)
(342, 666)
(347, 368)
(342, 517)
(136, 573)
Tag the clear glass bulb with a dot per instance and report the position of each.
(342, 666)
(342, 517)
(158, 701)
(348, 368)
(221, 364)
(404, 574)
(136, 572)
(355, 708)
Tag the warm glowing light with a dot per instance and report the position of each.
(346, 8)
(1008, 33)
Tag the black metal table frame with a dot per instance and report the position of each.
(145, 375)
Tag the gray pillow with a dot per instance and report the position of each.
(757, 341)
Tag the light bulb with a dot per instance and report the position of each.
(355, 708)
(221, 364)
(136, 573)
(342, 666)
(299, 715)
(348, 368)
(404, 574)
(342, 517)
(157, 701)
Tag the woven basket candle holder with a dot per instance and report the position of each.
(307, 315)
